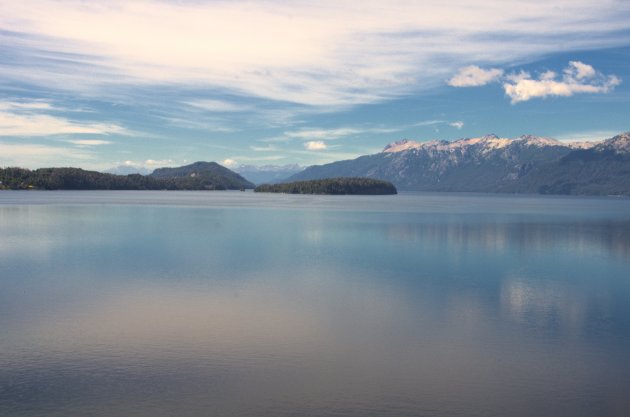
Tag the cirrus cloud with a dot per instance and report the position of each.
(90, 142)
(324, 53)
(31, 118)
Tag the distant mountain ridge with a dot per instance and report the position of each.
(127, 170)
(267, 174)
(527, 164)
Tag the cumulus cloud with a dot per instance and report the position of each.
(229, 163)
(474, 76)
(315, 145)
(580, 70)
(576, 78)
(458, 124)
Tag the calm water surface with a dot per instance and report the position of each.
(239, 304)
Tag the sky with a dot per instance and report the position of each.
(98, 84)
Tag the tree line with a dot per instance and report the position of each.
(343, 185)
(79, 179)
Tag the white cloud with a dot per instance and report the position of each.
(577, 78)
(324, 53)
(268, 148)
(458, 124)
(428, 123)
(315, 145)
(158, 162)
(30, 119)
(218, 106)
(547, 75)
(229, 163)
(587, 136)
(25, 105)
(12, 124)
(337, 133)
(89, 142)
(474, 76)
(579, 70)
(198, 123)
(323, 134)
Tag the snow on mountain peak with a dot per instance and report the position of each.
(532, 140)
(619, 143)
(402, 145)
(490, 142)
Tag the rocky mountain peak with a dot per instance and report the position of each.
(533, 140)
(489, 136)
(402, 145)
(619, 143)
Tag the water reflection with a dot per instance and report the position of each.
(592, 237)
(139, 310)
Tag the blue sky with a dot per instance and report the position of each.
(164, 83)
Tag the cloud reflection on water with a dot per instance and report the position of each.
(150, 311)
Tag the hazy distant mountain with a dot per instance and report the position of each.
(127, 169)
(527, 164)
(209, 175)
(268, 174)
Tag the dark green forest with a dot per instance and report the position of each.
(352, 185)
(79, 179)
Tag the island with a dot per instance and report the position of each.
(336, 186)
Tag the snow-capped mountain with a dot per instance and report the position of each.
(486, 143)
(489, 163)
(618, 144)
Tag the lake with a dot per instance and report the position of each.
(241, 304)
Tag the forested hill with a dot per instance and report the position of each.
(204, 172)
(356, 186)
(79, 179)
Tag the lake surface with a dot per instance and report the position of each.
(240, 304)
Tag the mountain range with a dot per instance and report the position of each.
(527, 164)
